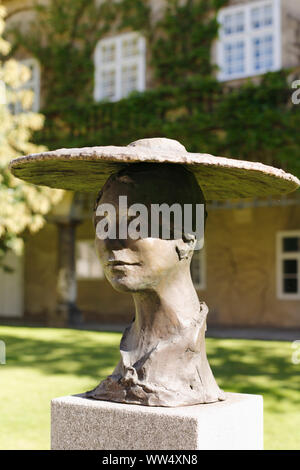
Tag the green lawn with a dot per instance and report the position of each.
(45, 363)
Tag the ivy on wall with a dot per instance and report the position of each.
(253, 121)
(183, 39)
(63, 37)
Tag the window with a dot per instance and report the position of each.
(32, 84)
(198, 269)
(87, 262)
(288, 265)
(249, 42)
(119, 66)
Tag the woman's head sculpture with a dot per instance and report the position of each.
(162, 353)
(156, 270)
(141, 264)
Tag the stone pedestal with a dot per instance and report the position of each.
(80, 423)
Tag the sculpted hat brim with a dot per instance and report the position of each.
(87, 169)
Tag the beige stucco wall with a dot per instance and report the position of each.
(40, 269)
(290, 25)
(240, 272)
(241, 269)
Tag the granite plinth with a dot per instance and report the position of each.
(81, 423)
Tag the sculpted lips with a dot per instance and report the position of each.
(116, 262)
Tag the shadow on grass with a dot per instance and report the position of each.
(244, 366)
(256, 367)
(73, 352)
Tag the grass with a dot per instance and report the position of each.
(45, 363)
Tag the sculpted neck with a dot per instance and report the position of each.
(168, 307)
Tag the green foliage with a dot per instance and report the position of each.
(135, 15)
(165, 110)
(255, 121)
(63, 40)
(260, 122)
(22, 206)
(183, 39)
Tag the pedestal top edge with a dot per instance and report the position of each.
(232, 399)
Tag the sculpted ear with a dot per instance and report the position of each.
(185, 246)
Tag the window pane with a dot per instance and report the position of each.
(262, 16)
(255, 17)
(82, 265)
(96, 270)
(263, 52)
(26, 96)
(130, 47)
(129, 79)
(268, 15)
(108, 83)
(291, 244)
(234, 58)
(32, 70)
(290, 266)
(87, 263)
(234, 23)
(108, 53)
(290, 286)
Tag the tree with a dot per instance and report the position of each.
(22, 205)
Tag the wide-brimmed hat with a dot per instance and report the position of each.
(87, 169)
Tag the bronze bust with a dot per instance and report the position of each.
(163, 360)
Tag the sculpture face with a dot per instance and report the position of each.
(133, 267)
(137, 265)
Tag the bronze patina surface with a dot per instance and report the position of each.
(163, 359)
(87, 169)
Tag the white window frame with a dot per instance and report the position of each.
(202, 267)
(119, 62)
(247, 36)
(81, 277)
(280, 256)
(34, 84)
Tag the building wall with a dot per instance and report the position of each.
(290, 33)
(241, 267)
(40, 266)
(240, 289)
